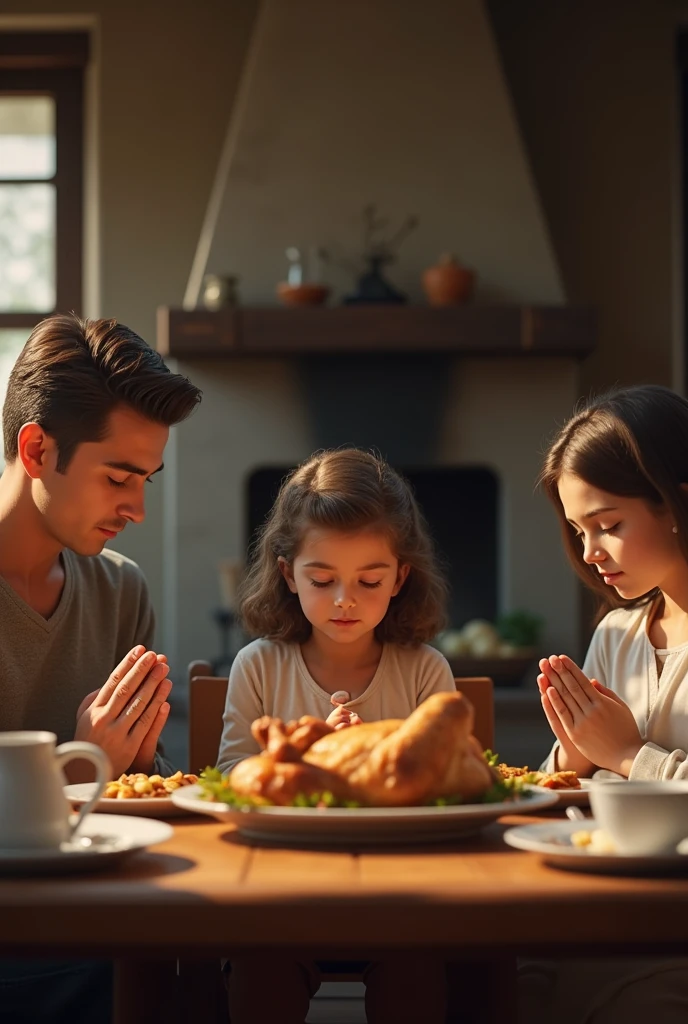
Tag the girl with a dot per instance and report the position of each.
(345, 591)
(617, 475)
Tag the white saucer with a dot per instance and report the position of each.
(112, 838)
(337, 826)
(553, 842)
(148, 807)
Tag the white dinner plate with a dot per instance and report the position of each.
(553, 842)
(332, 826)
(102, 840)
(148, 807)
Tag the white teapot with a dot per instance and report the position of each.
(34, 812)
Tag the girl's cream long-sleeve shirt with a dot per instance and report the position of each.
(622, 657)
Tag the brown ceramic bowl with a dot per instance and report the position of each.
(302, 294)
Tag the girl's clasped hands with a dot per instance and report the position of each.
(594, 727)
(342, 717)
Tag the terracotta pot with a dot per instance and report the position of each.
(448, 283)
(302, 294)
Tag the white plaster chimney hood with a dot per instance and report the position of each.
(398, 102)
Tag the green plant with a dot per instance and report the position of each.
(520, 628)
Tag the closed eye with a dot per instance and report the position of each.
(327, 583)
(610, 529)
(123, 483)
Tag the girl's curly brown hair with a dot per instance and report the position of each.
(348, 490)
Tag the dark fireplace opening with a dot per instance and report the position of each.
(461, 507)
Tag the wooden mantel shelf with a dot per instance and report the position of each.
(462, 330)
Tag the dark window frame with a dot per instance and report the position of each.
(53, 64)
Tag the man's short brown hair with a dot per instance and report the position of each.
(72, 373)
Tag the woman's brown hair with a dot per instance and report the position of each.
(72, 373)
(346, 490)
(631, 442)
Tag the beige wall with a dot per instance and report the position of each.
(163, 83)
(595, 88)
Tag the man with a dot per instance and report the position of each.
(86, 419)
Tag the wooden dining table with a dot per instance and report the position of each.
(208, 893)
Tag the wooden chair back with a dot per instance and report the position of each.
(207, 695)
(207, 704)
(480, 692)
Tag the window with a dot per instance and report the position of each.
(41, 183)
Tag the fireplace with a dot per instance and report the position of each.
(469, 432)
(460, 505)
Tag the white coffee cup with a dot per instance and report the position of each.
(34, 812)
(641, 817)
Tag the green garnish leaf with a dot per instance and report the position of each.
(508, 789)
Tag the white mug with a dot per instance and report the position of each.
(34, 812)
(642, 817)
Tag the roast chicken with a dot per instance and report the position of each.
(394, 762)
